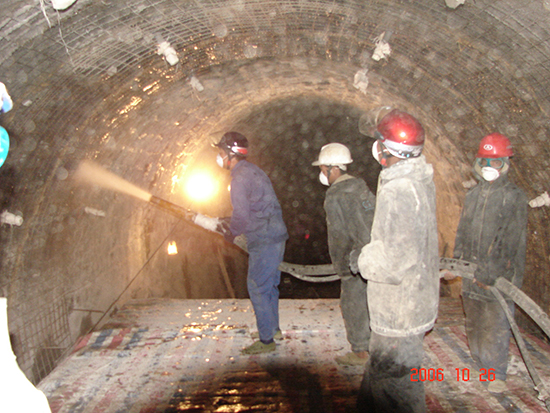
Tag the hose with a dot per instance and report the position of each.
(526, 303)
(311, 273)
(466, 269)
(539, 384)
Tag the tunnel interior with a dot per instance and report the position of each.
(88, 83)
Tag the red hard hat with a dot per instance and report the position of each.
(495, 145)
(402, 134)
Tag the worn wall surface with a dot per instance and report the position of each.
(88, 83)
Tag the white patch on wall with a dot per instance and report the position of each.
(453, 4)
(11, 219)
(540, 201)
(382, 49)
(169, 53)
(93, 211)
(196, 84)
(62, 4)
(361, 81)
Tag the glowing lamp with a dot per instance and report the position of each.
(172, 248)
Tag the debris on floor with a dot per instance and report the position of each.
(185, 355)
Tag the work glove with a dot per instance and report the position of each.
(208, 223)
(240, 241)
(353, 261)
(223, 228)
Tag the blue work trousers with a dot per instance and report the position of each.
(263, 286)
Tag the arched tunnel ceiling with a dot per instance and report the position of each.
(92, 86)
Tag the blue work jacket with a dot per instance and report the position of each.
(256, 211)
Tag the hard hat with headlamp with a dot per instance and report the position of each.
(401, 134)
(234, 143)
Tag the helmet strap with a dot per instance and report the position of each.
(385, 155)
(329, 168)
(228, 163)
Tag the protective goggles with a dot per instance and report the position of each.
(496, 163)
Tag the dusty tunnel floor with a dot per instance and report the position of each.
(184, 356)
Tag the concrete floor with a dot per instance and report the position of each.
(184, 356)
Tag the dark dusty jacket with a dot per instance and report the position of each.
(492, 234)
(256, 211)
(349, 205)
(401, 263)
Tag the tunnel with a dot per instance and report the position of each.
(91, 81)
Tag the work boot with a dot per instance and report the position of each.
(258, 347)
(352, 359)
(278, 335)
(497, 386)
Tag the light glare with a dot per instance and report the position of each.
(200, 187)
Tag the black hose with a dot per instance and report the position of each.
(539, 384)
(526, 303)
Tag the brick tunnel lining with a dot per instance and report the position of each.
(110, 91)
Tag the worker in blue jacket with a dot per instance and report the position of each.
(257, 215)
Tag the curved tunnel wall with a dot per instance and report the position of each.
(92, 86)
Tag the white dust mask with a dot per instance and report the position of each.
(489, 174)
(323, 179)
(375, 151)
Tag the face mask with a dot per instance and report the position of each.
(489, 174)
(219, 161)
(375, 153)
(323, 179)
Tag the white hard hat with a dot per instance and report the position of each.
(334, 154)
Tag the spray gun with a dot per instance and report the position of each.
(174, 209)
(218, 225)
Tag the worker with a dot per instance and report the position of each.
(349, 207)
(401, 265)
(492, 234)
(257, 215)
